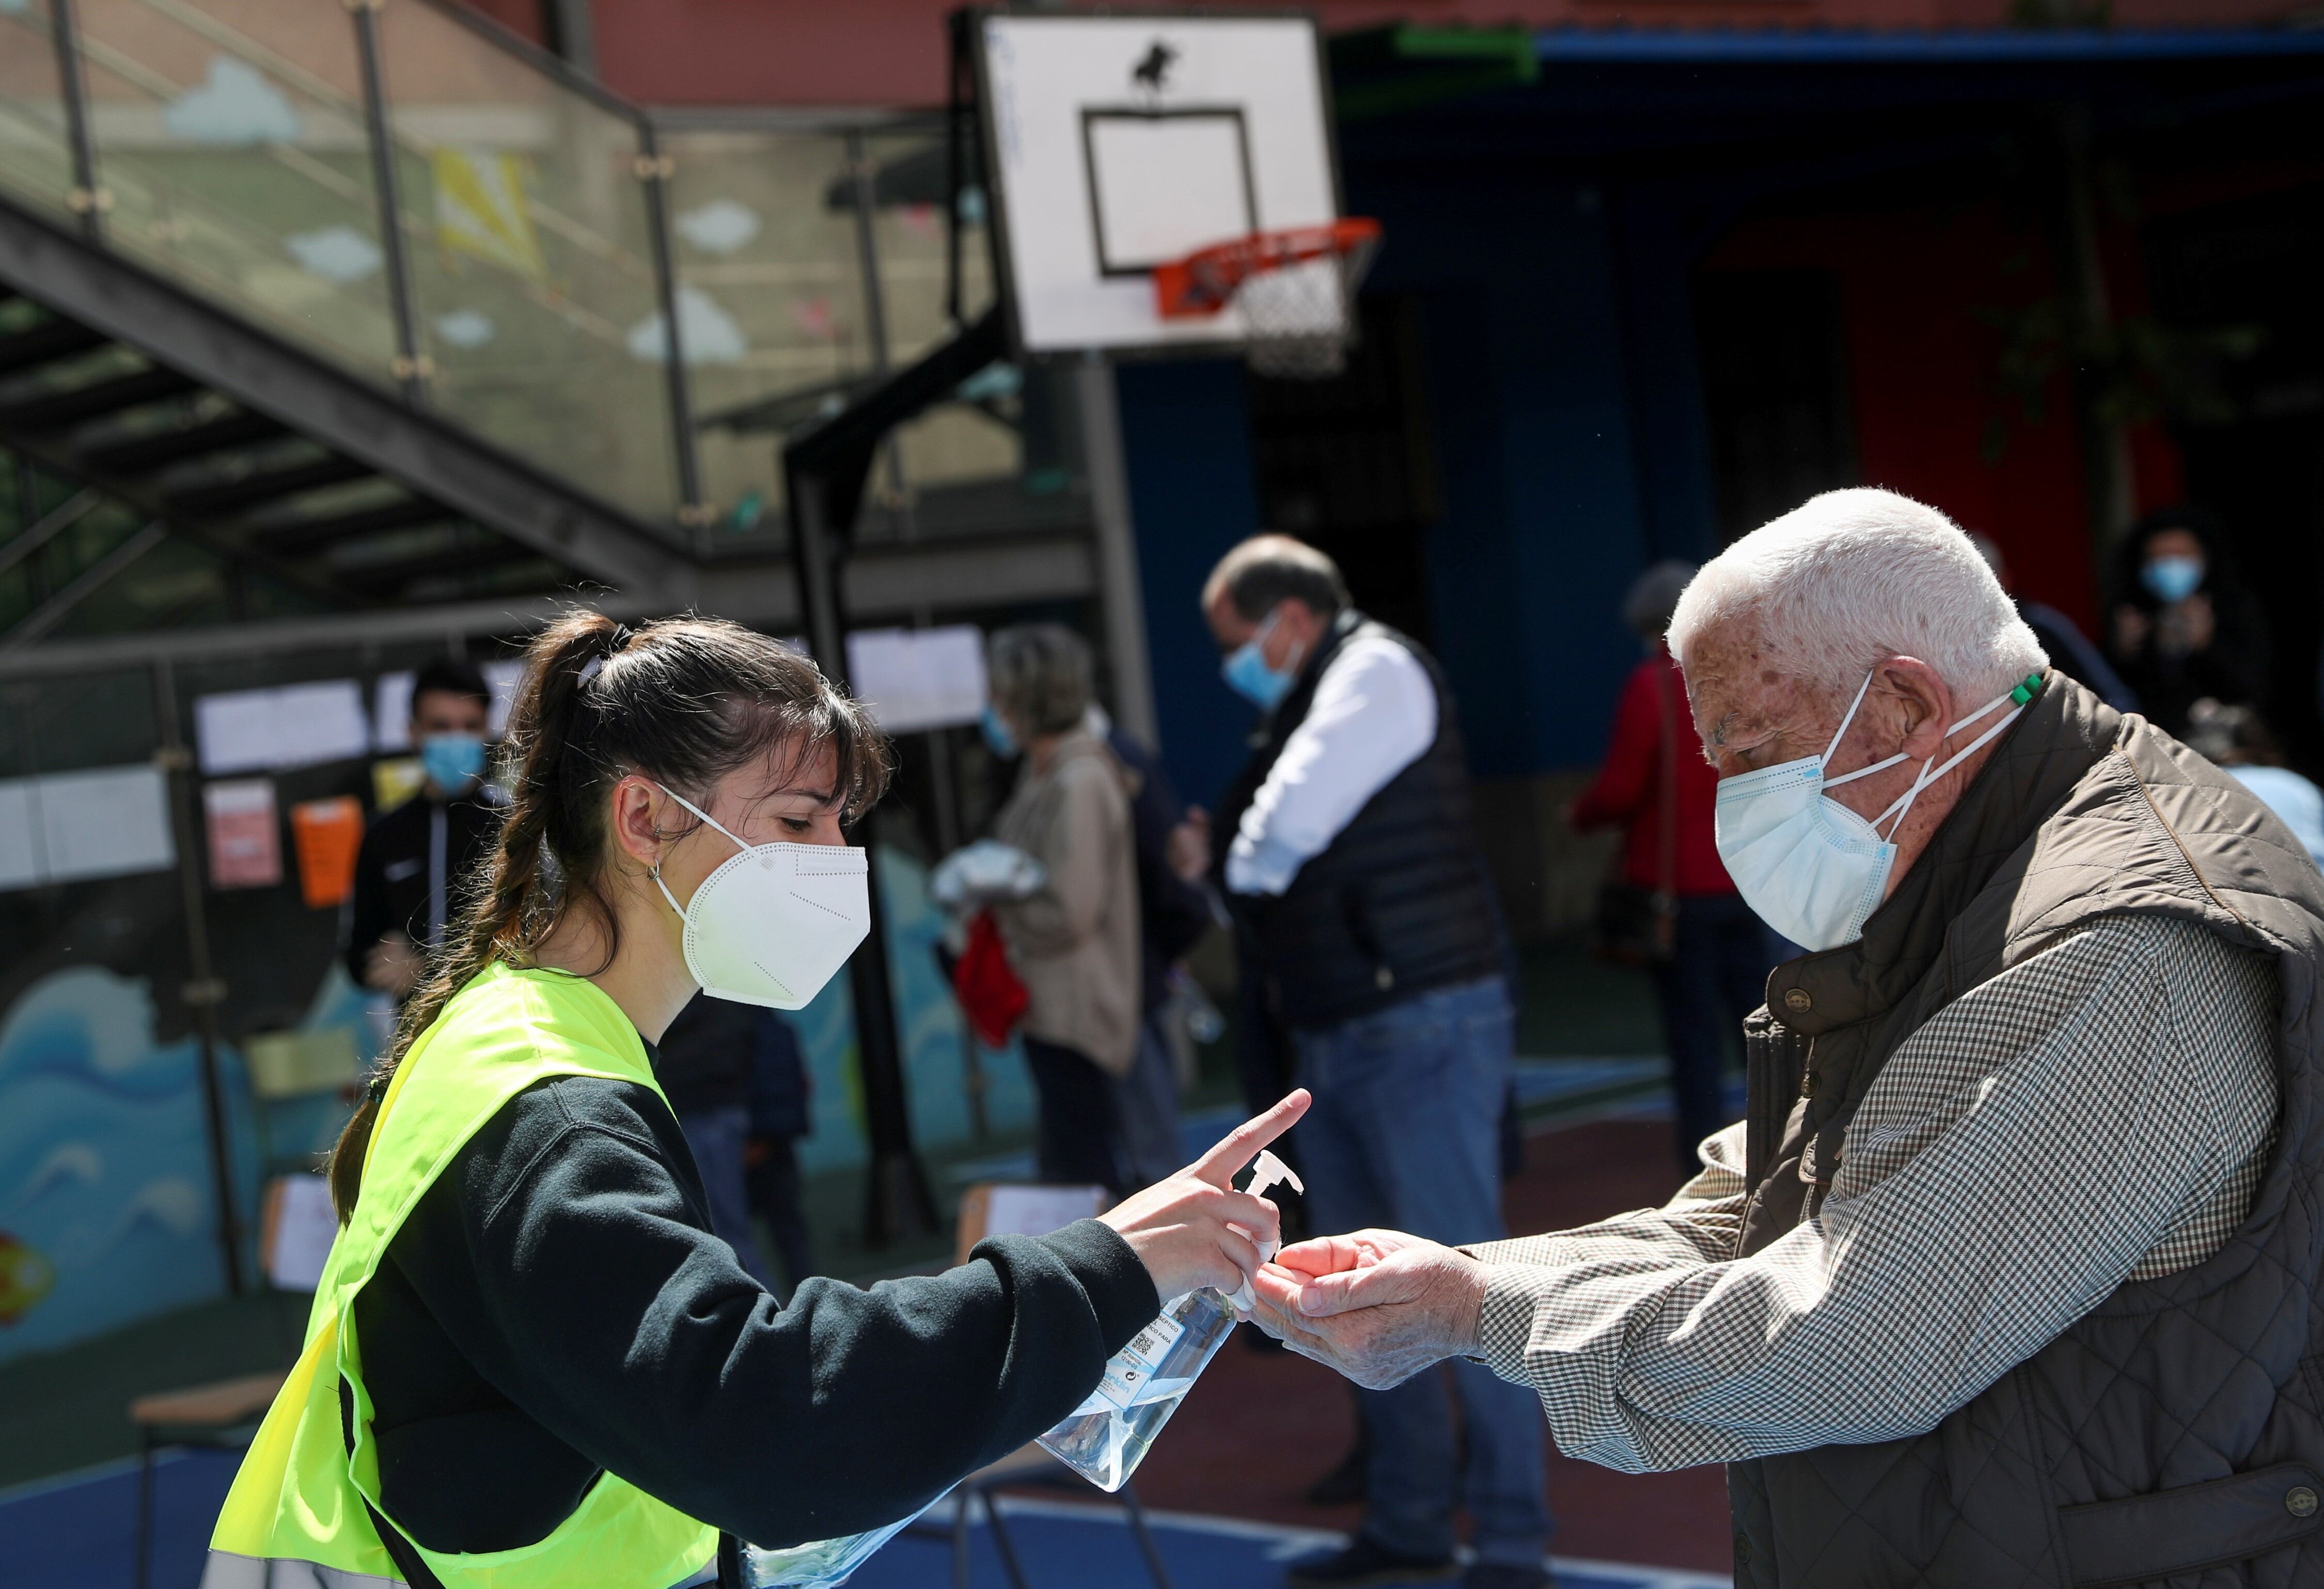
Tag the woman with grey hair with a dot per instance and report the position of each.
(1074, 943)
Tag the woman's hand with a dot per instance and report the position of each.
(1178, 1228)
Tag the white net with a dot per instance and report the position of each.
(1295, 317)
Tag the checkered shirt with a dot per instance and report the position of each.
(2100, 1112)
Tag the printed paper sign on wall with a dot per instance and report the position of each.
(275, 730)
(919, 679)
(245, 845)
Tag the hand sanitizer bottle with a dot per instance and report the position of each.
(1107, 1436)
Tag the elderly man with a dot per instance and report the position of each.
(2010, 1274)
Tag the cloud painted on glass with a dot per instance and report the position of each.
(235, 105)
(465, 328)
(708, 333)
(335, 253)
(719, 226)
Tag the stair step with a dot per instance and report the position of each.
(234, 496)
(61, 411)
(148, 454)
(46, 344)
(314, 534)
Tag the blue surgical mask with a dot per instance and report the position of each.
(454, 760)
(2171, 579)
(1249, 676)
(1807, 865)
(997, 737)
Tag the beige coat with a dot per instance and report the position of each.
(1075, 944)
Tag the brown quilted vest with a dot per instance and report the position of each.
(2174, 1435)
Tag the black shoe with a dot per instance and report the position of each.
(1506, 1575)
(1364, 1564)
(1346, 1481)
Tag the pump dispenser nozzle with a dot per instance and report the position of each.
(1267, 1173)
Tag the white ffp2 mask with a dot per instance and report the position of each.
(1808, 866)
(774, 923)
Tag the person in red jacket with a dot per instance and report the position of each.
(1717, 972)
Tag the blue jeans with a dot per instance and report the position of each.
(1405, 1134)
(718, 1137)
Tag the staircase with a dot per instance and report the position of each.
(271, 277)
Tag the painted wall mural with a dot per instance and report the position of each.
(107, 1212)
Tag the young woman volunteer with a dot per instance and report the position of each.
(529, 1362)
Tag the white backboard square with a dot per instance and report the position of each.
(1116, 142)
(1166, 185)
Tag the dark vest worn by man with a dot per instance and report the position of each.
(2175, 1435)
(1398, 902)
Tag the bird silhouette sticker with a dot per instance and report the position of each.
(1152, 72)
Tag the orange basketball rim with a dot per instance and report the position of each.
(1206, 282)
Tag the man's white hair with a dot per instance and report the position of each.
(1852, 576)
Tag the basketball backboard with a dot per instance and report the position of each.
(1117, 143)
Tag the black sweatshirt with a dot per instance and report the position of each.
(392, 882)
(557, 1306)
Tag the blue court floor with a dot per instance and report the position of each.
(79, 1532)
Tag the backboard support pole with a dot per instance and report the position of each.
(823, 474)
(1121, 591)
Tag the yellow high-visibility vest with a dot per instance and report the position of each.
(301, 1491)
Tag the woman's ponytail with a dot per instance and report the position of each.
(511, 902)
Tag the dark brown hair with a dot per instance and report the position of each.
(1268, 570)
(684, 701)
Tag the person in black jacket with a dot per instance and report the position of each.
(1347, 850)
(2185, 627)
(779, 1118)
(705, 1071)
(415, 859)
(1173, 914)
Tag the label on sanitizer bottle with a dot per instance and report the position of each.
(1130, 1370)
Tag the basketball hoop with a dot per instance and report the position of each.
(1294, 290)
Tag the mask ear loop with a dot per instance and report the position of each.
(1825, 760)
(1931, 771)
(706, 817)
(1258, 640)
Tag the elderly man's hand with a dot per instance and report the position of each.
(1379, 1306)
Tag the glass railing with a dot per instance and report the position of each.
(237, 168)
(771, 275)
(810, 301)
(528, 211)
(448, 215)
(35, 143)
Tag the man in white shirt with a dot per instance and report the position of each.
(1348, 853)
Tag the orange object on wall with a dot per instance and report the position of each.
(326, 834)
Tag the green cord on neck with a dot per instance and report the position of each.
(2027, 691)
